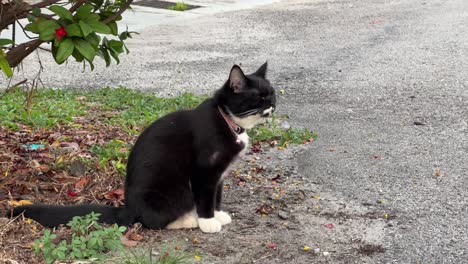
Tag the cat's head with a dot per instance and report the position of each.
(248, 99)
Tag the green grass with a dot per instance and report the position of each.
(50, 107)
(166, 257)
(126, 109)
(137, 108)
(179, 6)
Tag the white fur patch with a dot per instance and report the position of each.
(244, 138)
(209, 225)
(222, 217)
(188, 220)
(248, 122)
(268, 111)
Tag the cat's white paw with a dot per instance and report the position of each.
(209, 225)
(189, 220)
(222, 217)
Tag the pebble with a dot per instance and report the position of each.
(326, 253)
(285, 125)
(283, 215)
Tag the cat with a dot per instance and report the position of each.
(175, 169)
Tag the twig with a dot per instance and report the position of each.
(118, 13)
(15, 85)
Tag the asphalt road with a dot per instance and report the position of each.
(383, 83)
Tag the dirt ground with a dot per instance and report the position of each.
(279, 216)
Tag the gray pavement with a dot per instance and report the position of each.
(360, 74)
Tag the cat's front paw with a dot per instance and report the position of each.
(209, 225)
(222, 217)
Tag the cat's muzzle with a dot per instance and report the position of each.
(267, 112)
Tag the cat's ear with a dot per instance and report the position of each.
(237, 79)
(261, 72)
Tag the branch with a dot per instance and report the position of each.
(20, 10)
(44, 3)
(18, 53)
(118, 13)
(77, 5)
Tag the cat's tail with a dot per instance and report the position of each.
(54, 215)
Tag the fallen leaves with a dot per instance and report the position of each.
(71, 193)
(79, 186)
(264, 209)
(272, 245)
(128, 243)
(116, 195)
(256, 148)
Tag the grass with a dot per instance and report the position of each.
(50, 108)
(179, 6)
(122, 109)
(166, 257)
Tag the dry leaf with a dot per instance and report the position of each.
(438, 173)
(128, 243)
(80, 185)
(264, 209)
(20, 202)
(135, 237)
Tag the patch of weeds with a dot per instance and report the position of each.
(114, 152)
(179, 6)
(49, 108)
(271, 130)
(89, 240)
(166, 257)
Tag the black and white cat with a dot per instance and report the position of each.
(175, 169)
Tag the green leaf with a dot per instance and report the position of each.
(36, 11)
(64, 50)
(5, 66)
(99, 27)
(113, 27)
(73, 30)
(83, 11)
(47, 25)
(85, 49)
(94, 40)
(30, 18)
(116, 46)
(62, 12)
(115, 56)
(77, 55)
(47, 29)
(32, 27)
(85, 28)
(104, 53)
(4, 42)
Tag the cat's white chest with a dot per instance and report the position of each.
(244, 140)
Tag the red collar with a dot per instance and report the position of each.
(236, 129)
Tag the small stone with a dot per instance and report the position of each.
(283, 215)
(326, 253)
(317, 250)
(285, 125)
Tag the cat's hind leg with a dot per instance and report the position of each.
(188, 220)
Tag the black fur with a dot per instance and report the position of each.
(177, 162)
